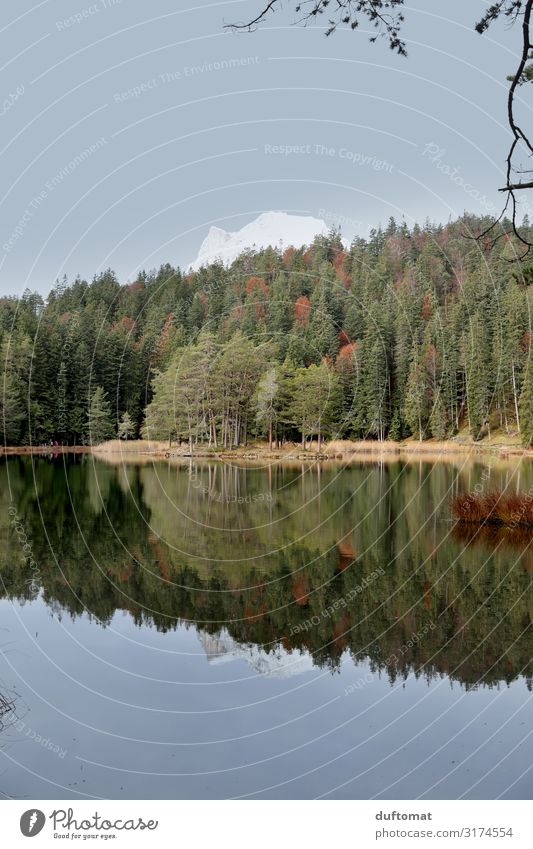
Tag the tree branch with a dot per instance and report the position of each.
(513, 186)
(513, 9)
(348, 12)
(251, 24)
(387, 19)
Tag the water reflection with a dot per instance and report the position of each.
(284, 567)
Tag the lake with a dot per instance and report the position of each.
(213, 631)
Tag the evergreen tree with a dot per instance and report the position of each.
(12, 411)
(99, 418)
(312, 391)
(526, 407)
(267, 403)
(322, 333)
(126, 428)
(477, 371)
(159, 421)
(437, 418)
(416, 401)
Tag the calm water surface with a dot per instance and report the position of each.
(288, 632)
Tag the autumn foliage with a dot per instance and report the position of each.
(346, 352)
(302, 309)
(496, 508)
(300, 588)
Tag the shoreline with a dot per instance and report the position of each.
(339, 450)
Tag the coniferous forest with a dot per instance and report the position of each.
(421, 333)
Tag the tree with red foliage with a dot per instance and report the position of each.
(302, 310)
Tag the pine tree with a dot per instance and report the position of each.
(63, 417)
(437, 419)
(312, 391)
(266, 402)
(416, 401)
(188, 397)
(477, 366)
(374, 408)
(159, 422)
(15, 359)
(12, 412)
(280, 307)
(322, 333)
(526, 407)
(99, 418)
(235, 379)
(126, 428)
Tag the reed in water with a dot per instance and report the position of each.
(495, 508)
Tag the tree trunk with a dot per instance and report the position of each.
(515, 401)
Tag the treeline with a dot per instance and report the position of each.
(418, 332)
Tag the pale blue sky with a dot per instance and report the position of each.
(127, 129)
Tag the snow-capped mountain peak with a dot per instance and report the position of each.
(271, 229)
(215, 239)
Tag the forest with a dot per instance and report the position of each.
(419, 332)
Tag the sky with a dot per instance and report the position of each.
(127, 129)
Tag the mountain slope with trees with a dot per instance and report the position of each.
(410, 333)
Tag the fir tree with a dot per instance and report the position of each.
(266, 403)
(126, 428)
(526, 407)
(416, 401)
(99, 418)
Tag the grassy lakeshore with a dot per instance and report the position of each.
(335, 450)
(500, 444)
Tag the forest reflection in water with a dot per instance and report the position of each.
(288, 565)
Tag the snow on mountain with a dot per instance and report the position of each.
(274, 229)
(221, 648)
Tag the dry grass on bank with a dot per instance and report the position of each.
(341, 447)
(131, 446)
(338, 449)
(427, 446)
(499, 445)
(494, 508)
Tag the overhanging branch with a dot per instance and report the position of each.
(386, 17)
(520, 138)
(513, 186)
(381, 14)
(260, 17)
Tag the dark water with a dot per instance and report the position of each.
(269, 633)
